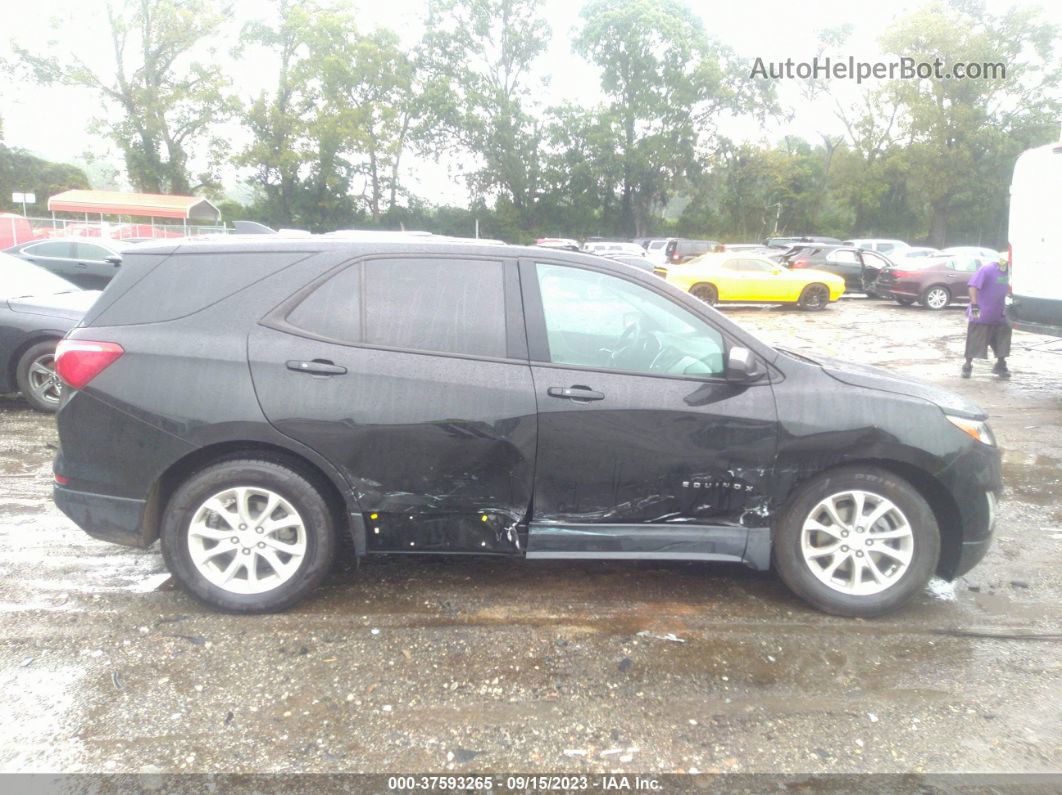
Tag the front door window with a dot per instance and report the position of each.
(604, 322)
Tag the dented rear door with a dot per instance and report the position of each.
(410, 375)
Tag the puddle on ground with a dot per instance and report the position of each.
(1033, 478)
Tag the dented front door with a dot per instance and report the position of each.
(652, 450)
(645, 449)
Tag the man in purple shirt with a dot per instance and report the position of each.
(987, 318)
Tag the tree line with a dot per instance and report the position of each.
(347, 108)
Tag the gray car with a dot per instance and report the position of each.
(90, 263)
(36, 309)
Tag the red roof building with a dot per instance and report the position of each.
(142, 205)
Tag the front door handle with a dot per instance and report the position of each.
(317, 367)
(577, 392)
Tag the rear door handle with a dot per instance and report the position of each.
(577, 392)
(317, 367)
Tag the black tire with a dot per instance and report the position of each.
(705, 292)
(905, 301)
(796, 572)
(26, 376)
(935, 297)
(814, 298)
(302, 495)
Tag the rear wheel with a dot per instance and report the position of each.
(814, 298)
(857, 542)
(36, 377)
(705, 292)
(248, 536)
(936, 297)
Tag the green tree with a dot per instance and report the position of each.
(961, 133)
(480, 55)
(369, 92)
(667, 83)
(164, 86)
(279, 154)
(20, 171)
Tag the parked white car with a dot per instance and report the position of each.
(608, 248)
(918, 252)
(880, 245)
(981, 252)
(656, 250)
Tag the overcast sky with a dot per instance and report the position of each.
(53, 122)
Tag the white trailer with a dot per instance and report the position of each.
(1035, 236)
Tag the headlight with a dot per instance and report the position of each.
(976, 428)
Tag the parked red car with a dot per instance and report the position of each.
(934, 282)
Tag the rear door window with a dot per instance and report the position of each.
(57, 249)
(433, 305)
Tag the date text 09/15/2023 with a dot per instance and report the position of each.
(523, 783)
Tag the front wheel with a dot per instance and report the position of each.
(814, 298)
(857, 542)
(936, 297)
(248, 536)
(37, 379)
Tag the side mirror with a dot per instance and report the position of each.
(742, 366)
(114, 260)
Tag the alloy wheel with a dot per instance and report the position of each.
(857, 542)
(247, 540)
(43, 380)
(937, 298)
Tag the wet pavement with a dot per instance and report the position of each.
(415, 664)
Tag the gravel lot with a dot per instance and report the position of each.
(472, 665)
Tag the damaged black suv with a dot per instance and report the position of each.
(248, 400)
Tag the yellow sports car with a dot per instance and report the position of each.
(716, 278)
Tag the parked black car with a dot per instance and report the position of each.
(859, 268)
(36, 309)
(90, 263)
(682, 250)
(439, 396)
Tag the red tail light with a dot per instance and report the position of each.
(800, 263)
(903, 274)
(79, 361)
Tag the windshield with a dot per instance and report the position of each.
(19, 279)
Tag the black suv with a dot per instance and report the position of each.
(249, 400)
(680, 250)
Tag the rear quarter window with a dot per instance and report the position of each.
(432, 304)
(185, 283)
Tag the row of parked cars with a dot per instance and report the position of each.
(806, 271)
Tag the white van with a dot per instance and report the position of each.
(1036, 241)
